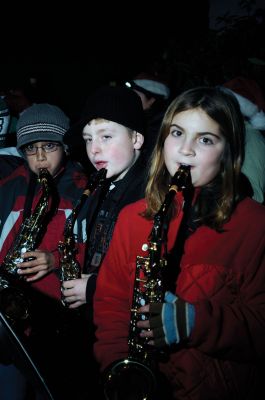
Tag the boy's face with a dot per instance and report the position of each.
(112, 146)
(51, 159)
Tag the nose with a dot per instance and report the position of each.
(94, 147)
(187, 148)
(40, 155)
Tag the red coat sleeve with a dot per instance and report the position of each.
(115, 283)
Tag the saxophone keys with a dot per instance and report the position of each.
(141, 280)
(145, 247)
(142, 302)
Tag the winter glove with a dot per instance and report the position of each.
(171, 321)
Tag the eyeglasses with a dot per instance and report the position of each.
(31, 149)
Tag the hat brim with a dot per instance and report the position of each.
(39, 137)
(146, 92)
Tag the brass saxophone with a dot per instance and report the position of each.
(69, 266)
(138, 369)
(13, 302)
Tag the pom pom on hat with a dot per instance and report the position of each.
(251, 100)
(41, 122)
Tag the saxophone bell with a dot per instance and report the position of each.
(129, 379)
(16, 306)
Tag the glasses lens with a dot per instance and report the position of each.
(47, 148)
(30, 150)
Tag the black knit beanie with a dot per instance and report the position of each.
(116, 104)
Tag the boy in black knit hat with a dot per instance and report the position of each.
(112, 130)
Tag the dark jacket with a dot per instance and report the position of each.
(8, 163)
(101, 213)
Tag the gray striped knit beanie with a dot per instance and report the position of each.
(41, 122)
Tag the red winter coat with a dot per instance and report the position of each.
(70, 183)
(223, 275)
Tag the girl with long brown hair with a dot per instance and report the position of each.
(210, 324)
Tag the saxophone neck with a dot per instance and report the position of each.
(97, 179)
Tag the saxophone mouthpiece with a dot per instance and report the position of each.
(43, 172)
(182, 178)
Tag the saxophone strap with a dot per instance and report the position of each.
(103, 221)
(187, 227)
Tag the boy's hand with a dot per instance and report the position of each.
(38, 264)
(74, 291)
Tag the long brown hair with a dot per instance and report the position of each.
(216, 200)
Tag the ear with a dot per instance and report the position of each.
(138, 140)
(150, 102)
(66, 149)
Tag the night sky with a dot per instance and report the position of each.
(78, 49)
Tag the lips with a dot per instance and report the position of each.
(100, 164)
(185, 164)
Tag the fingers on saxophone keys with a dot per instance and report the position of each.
(64, 303)
(146, 333)
(63, 289)
(143, 324)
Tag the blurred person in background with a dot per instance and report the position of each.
(154, 93)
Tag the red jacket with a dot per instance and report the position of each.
(223, 275)
(70, 184)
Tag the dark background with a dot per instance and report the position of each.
(67, 54)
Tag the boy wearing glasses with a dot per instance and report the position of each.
(40, 131)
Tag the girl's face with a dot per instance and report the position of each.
(110, 145)
(51, 159)
(194, 139)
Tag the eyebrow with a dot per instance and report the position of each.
(100, 131)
